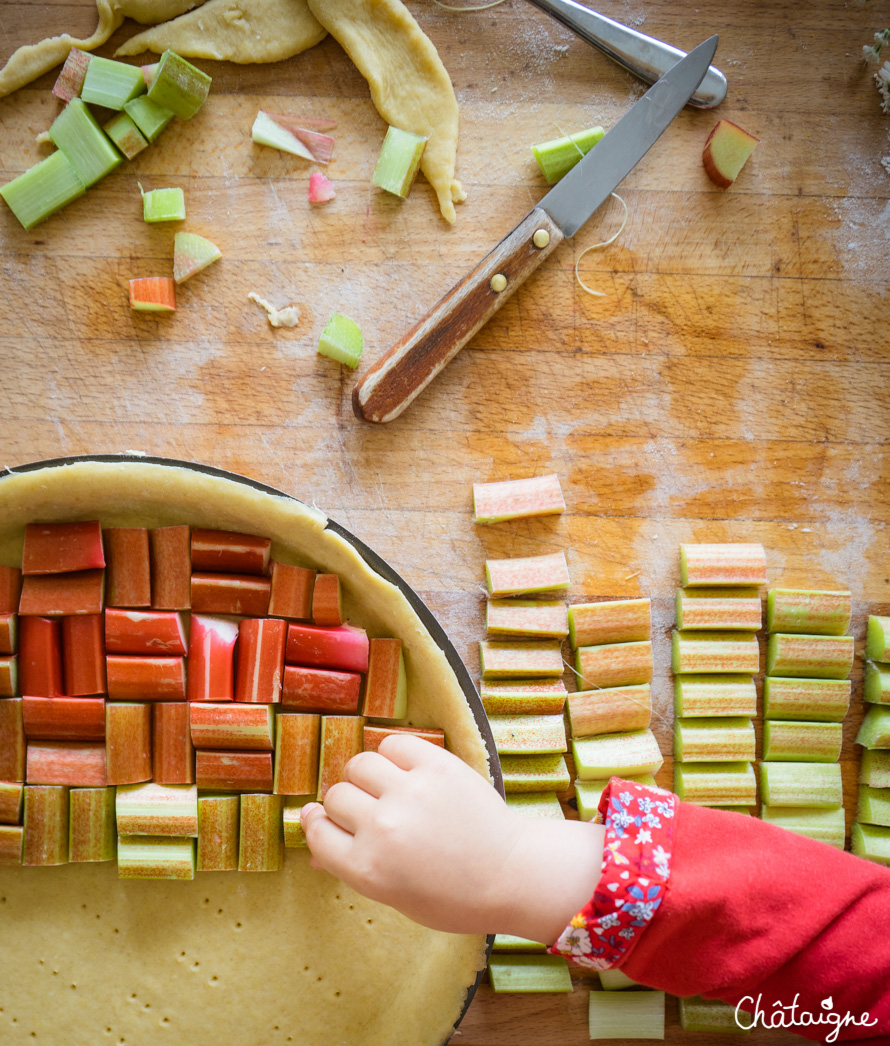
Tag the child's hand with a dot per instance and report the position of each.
(415, 828)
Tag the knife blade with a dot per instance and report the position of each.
(402, 373)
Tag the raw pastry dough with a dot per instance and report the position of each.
(33, 60)
(410, 86)
(236, 958)
(235, 31)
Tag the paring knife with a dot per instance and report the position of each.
(401, 374)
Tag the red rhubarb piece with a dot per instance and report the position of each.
(8, 633)
(341, 739)
(211, 674)
(320, 690)
(326, 600)
(321, 189)
(11, 795)
(9, 676)
(83, 654)
(234, 771)
(58, 595)
(173, 754)
(153, 294)
(61, 548)
(66, 763)
(261, 643)
(12, 838)
(154, 633)
(386, 691)
(296, 754)
(74, 71)
(145, 678)
(241, 594)
(171, 568)
(518, 499)
(292, 589)
(10, 589)
(40, 657)
(64, 718)
(12, 740)
(221, 551)
(306, 130)
(128, 742)
(233, 726)
(373, 735)
(345, 647)
(128, 577)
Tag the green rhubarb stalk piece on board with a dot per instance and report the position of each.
(716, 784)
(801, 784)
(163, 205)
(617, 755)
(523, 696)
(155, 857)
(613, 664)
(874, 770)
(613, 621)
(537, 804)
(702, 652)
(148, 116)
(610, 711)
(528, 734)
(527, 617)
(524, 575)
(399, 161)
(76, 133)
(876, 689)
(801, 610)
(589, 793)
(341, 340)
(875, 729)
(871, 842)
(91, 827)
(179, 86)
(505, 942)
(877, 643)
(626, 1015)
(541, 659)
(111, 84)
(699, 1014)
(515, 974)
(809, 656)
(43, 189)
(517, 499)
(714, 695)
(820, 700)
(534, 773)
(798, 742)
(727, 609)
(267, 131)
(126, 135)
(192, 254)
(825, 826)
(219, 818)
(156, 809)
(615, 980)
(703, 565)
(261, 841)
(714, 740)
(874, 806)
(557, 157)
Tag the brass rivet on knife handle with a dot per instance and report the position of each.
(401, 374)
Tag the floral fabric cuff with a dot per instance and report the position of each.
(639, 822)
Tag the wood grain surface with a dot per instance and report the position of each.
(730, 384)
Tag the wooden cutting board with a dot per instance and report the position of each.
(731, 383)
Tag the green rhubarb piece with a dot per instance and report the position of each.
(714, 695)
(874, 806)
(615, 980)
(534, 773)
(505, 942)
(179, 86)
(267, 131)
(84, 143)
(155, 857)
(714, 740)
(797, 742)
(801, 610)
(875, 729)
(699, 1014)
(12, 841)
(703, 652)
(218, 824)
(341, 340)
(529, 973)
(163, 205)
(801, 784)
(525, 575)
(557, 157)
(611, 710)
(821, 657)
(532, 660)
(871, 842)
(294, 836)
(528, 734)
(729, 609)
(91, 828)
(527, 617)
(611, 621)
(877, 643)
(43, 189)
(156, 809)
(12, 794)
(148, 116)
(710, 565)
(617, 755)
(508, 499)
(523, 696)
(626, 1015)
(126, 135)
(111, 84)
(537, 804)
(589, 793)
(46, 825)
(399, 161)
(823, 825)
(613, 664)
(192, 254)
(876, 689)
(716, 784)
(874, 770)
(820, 700)
(261, 839)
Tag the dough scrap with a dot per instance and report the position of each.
(235, 31)
(410, 86)
(33, 60)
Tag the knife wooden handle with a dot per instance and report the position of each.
(401, 374)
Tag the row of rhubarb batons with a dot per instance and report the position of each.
(871, 830)
(170, 697)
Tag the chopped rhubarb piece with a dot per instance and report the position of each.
(527, 617)
(341, 340)
(528, 734)
(321, 690)
(70, 80)
(150, 118)
(66, 763)
(731, 609)
(83, 654)
(296, 754)
(178, 85)
(149, 632)
(9, 676)
(11, 793)
(221, 551)
(373, 735)
(341, 739)
(146, 678)
(122, 130)
(239, 594)
(535, 659)
(64, 718)
(171, 568)
(399, 161)
(321, 189)
(91, 826)
(822, 657)
(12, 840)
(614, 621)
(12, 740)
(234, 771)
(43, 189)
(617, 755)
(261, 643)
(345, 647)
(40, 657)
(218, 829)
(292, 589)
(326, 608)
(211, 675)
(173, 754)
(61, 595)
(523, 697)
(386, 689)
(232, 726)
(163, 205)
(128, 578)
(153, 294)
(46, 826)
(192, 254)
(156, 809)
(128, 742)
(155, 857)
(148, 73)
(111, 84)
(261, 837)
(266, 131)
(320, 145)
(8, 633)
(62, 548)
(535, 773)
(527, 574)
(614, 664)
(610, 711)
(10, 589)
(518, 499)
(294, 836)
(730, 564)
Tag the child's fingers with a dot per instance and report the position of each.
(328, 842)
(372, 772)
(349, 806)
(409, 752)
